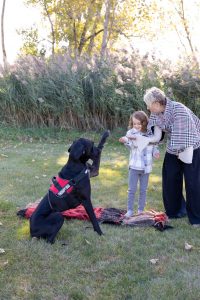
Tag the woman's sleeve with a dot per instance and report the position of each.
(142, 142)
(156, 137)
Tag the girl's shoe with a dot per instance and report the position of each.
(140, 211)
(128, 214)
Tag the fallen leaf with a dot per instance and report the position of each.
(3, 155)
(40, 99)
(88, 242)
(188, 246)
(154, 261)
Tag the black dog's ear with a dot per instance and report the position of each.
(72, 145)
(76, 150)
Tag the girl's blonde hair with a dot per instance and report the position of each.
(140, 116)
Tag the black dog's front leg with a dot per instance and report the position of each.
(94, 168)
(103, 139)
(90, 211)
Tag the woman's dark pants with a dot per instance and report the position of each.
(173, 173)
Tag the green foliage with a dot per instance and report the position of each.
(183, 83)
(87, 93)
(81, 23)
(30, 41)
(65, 93)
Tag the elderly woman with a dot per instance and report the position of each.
(182, 158)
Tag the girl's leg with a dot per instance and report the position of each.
(172, 186)
(132, 188)
(192, 186)
(144, 179)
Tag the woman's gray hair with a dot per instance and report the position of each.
(154, 95)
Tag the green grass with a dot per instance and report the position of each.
(115, 266)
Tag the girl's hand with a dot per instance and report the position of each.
(123, 140)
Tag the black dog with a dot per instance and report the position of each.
(68, 190)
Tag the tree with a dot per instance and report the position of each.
(49, 13)
(105, 31)
(30, 41)
(93, 25)
(5, 63)
(182, 17)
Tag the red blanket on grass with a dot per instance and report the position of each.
(107, 215)
(75, 213)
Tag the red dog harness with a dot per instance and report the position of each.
(60, 186)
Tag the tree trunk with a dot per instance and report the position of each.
(186, 28)
(52, 29)
(83, 35)
(75, 39)
(91, 44)
(105, 33)
(5, 63)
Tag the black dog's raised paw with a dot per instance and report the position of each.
(103, 139)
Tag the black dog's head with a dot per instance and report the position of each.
(83, 150)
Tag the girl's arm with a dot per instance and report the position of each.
(123, 139)
(126, 141)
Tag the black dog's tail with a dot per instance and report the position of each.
(21, 213)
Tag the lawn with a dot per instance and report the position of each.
(115, 266)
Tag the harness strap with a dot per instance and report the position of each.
(60, 186)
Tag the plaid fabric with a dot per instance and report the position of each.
(140, 160)
(181, 124)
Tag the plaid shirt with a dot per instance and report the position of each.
(181, 124)
(140, 160)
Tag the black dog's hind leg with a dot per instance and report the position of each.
(55, 222)
(44, 222)
(94, 168)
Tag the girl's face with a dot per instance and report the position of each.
(137, 124)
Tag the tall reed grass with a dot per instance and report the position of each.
(88, 93)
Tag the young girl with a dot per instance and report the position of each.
(140, 162)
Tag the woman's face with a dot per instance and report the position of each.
(156, 108)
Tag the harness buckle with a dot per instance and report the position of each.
(62, 191)
(72, 182)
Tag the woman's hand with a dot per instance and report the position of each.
(157, 155)
(132, 137)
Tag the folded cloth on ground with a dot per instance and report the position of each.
(148, 218)
(107, 215)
